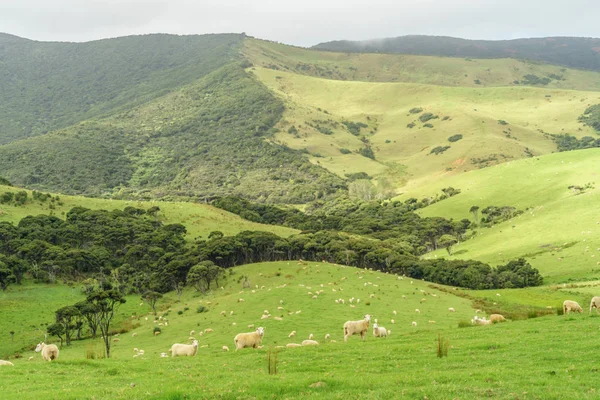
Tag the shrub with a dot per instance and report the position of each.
(201, 309)
(367, 152)
(465, 324)
(410, 125)
(428, 125)
(415, 110)
(427, 116)
(156, 329)
(439, 150)
(442, 346)
(502, 122)
(455, 138)
(345, 151)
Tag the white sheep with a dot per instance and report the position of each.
(393, 321)
(163, 355)
(595, 303)
(394, 312)
(290, 345)
(6, 363)
(414, 323)
(480, 321)
(497, 318)
(310, 337)
(292, 333)
(570, 305)
(49, 351)
(417, 310)
(208, 330)
(310, 342)
(379, 331)
(225, 348)
(451, 309)
(354, 327)
(249, 339)
(251, 326)
(327, 336)
(179, 349)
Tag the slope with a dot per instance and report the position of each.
(575, 52)
(557, 232)
(445, 71)
(202, 140)
(408, 130)
(198, 219)
(49, 85)
(498, 360)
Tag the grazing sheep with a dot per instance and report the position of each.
(417, 310)
(451, 309)
(393, 322)
(224, 313)
(30, 358)
(595, 303)
(208, 330)
(134, 334)
(292, 333)
(265, 316)
(241, 300)
(480, 321)
(379, 331)
(225, 348)
(179, 349)
(49, 351)
(389, 332)
(249, 339)
(327, 336)
(251, 326)
(6, 363)
(394, 312)
(414, 323)
(310, 343)
(431, 322)
(163, 355)
(354, 327)
(570, 305)
(290, 345)
(156, 333)
(497, 318)
(310, 337)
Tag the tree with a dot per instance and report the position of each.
(90, 314)
(67, 317)
(196, 276)
(447, 241)
(105, 303)
(151, 297)
(6, 276)
(56, 330)
(475, 211)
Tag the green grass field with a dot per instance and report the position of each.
(403, 154)
(528, 358)
(557, 233)
(199, 219)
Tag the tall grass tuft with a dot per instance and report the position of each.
(442, 346)
(272, 361)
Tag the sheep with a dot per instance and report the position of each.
(480, 321)
(327, 336)
(30, 358)
(570, 305)
(251, 326)
(417, 310)
(393, 322)
(156, 333)
(265, 316)
(292, 333)
(134, 334)
(6, 363)
(394, 312)
(49, 351)
(225, 348)
(192, 332)
(208, 330)
(595, 303)
(451, 309)
(497, 318)
(431, 322)
(310, 343)
(414, 323)
(163, 355)
(290, 345)
(310, 337)
(250, 339)
(179, 349)
(240, 300)
(354, 327)
(379, 331)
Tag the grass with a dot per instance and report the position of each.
(529, 358)
(558, 231)
(199, 219)
(384, 107)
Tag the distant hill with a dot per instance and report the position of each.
(583, 53)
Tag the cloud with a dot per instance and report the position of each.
(300, 22)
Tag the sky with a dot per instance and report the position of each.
(301, 23)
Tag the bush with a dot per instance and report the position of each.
(345, 151)
(156, 329)
(439, 150)
(416, 110)
(428, 125)
(201, 309)
(455, 138)
(427, 116)
(410, 125)
(367, 152)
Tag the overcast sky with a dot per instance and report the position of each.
(300, 22)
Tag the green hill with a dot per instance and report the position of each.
(574, 52)
(499, 360)
(557, 232)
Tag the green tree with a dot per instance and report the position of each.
(151, 297)
(57, 330)
(6, 276)
(475, 211)
(67, 317)
(105, 303)
(89, 312)
(447, 241)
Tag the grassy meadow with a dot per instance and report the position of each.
(497, 124)
(199, 219)
(558, 231)
(524, 358)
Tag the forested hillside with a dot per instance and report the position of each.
(568, 51)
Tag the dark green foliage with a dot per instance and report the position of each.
(50, 85)
(358, 175)
(569, 51)
(324, 130)
(494, 215)
(410, 125)
(566, 142)
(201, 309)
(105, 302)
(204, 141)
(439, 150)
(345, 151)
(415, 110)
(5, 182)
(292, 130)
(427, 116)
(532, 80)
(502, 122)
(477, 82)
(367, 151)
(455, 138)
(354, 127)
(428, 125)
(591, 117)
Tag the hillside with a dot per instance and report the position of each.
(557, 232)
(410, 68)
(199, 219)
(498, 360)
(408, 131)
(50, 85)
(572, 52)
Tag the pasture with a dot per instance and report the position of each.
(546, 357)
